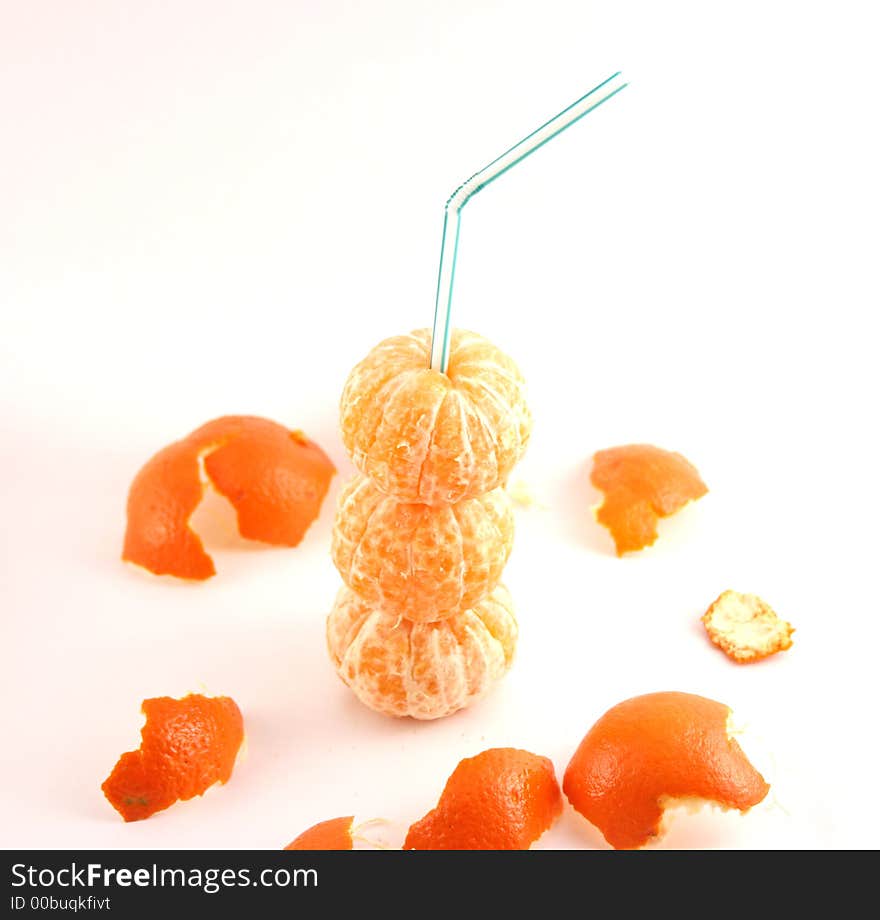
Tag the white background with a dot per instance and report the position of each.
(217, 207)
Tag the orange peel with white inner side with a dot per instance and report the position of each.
(276, 480)
(646, 753)
(745, 627)
(641, 483)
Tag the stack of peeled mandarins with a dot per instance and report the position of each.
(423, 626)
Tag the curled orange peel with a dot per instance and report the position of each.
(275, 479)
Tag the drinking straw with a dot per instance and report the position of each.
(460, 197)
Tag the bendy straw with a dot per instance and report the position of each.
(460, 197)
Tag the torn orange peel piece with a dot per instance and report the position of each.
(275, 479)
(649, 751)
(641, 483)
(501, 799)
(745, 627)
(335, 834)
(187, 745)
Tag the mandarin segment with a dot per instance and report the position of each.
(334, 834)
(422, 670)
(187, 745)
(275, 479)
(501, 799)
(651, 750)
(745, 627)
(422, 562)
(429, 437)
(641, 483)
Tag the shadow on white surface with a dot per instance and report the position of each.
(573, 499)
(572, 832)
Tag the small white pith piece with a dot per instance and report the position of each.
(523, 495)
(746, 628)
(361, 838)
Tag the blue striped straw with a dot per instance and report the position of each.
(460, 197)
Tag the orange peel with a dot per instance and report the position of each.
(649, 751)
(335, 834)
(745, 627)
(187, 745)
(641, 483)
(421, 670)
(276, 480)
(431, 437)
(417, 561)
(501, 799)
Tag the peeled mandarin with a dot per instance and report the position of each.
(425, 436)
(422, 670)
(422, 562)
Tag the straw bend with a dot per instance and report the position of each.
(478, 181)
